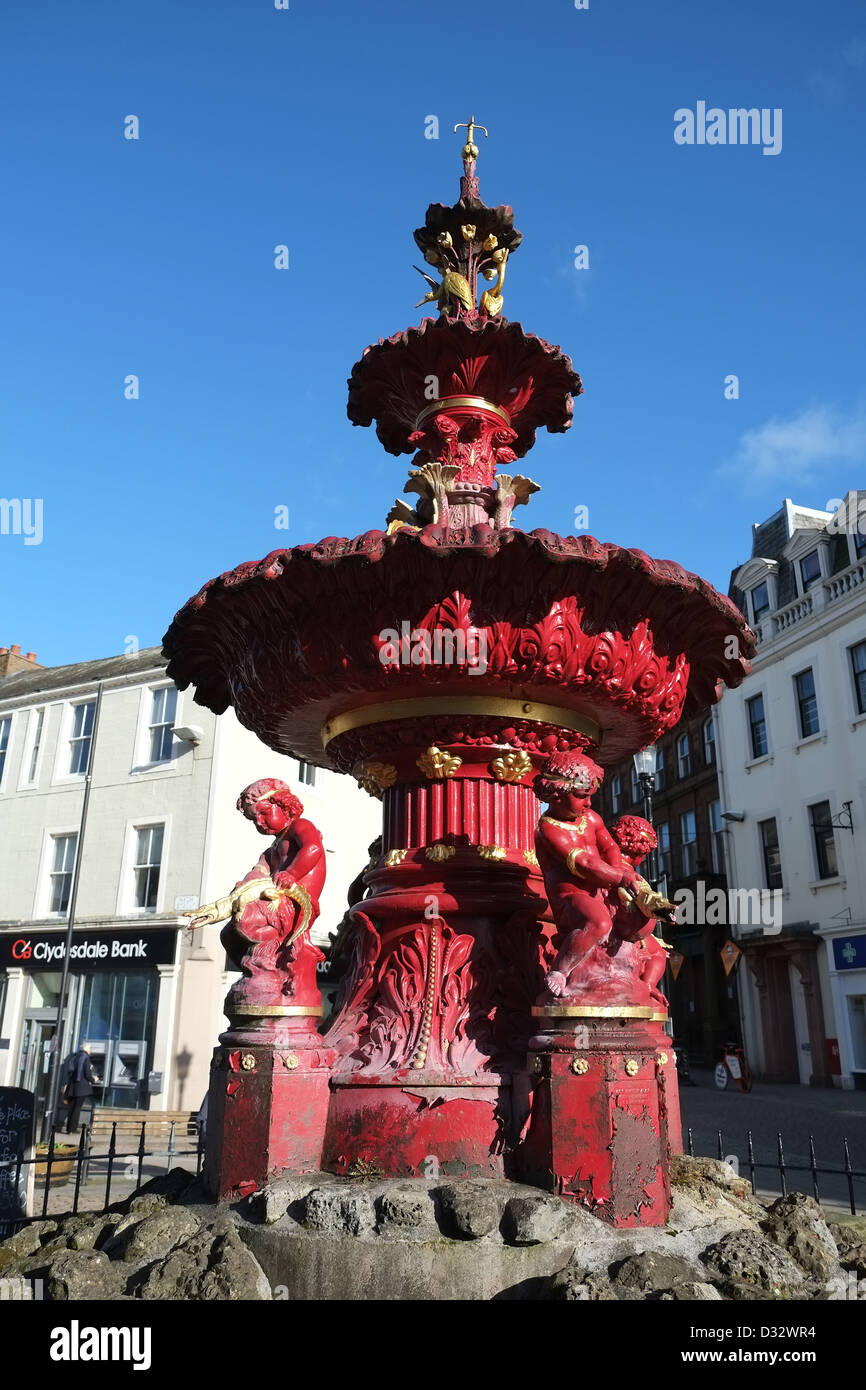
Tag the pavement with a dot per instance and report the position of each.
(829, 1116)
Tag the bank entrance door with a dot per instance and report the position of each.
(37, 1049)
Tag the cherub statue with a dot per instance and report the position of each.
(271, 910)
(580, 861)
(635, 916)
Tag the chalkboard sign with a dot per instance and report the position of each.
(17, 1115)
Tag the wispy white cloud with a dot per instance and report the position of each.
(796, 450)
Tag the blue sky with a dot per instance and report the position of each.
(306, 127)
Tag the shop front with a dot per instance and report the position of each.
(847, 961)
(120, 1004)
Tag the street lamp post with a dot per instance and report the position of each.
(645, 767)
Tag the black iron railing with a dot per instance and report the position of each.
(83, 1161)
(783, 1166)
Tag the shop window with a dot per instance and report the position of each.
(823, 840)
(807, 703)
(770, 853)
(118, 1022)
(147, 865)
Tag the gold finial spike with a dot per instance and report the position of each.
(470, 149)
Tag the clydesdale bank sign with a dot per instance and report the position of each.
(90, 949)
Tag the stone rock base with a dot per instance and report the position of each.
(324, 1237)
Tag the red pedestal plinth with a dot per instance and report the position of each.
(605, 1114)
(267, 1109)
(417, 1124)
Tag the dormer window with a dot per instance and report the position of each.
(760, 601)
(810, 569)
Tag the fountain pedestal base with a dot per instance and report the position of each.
(267, 1110)
(605, 1113)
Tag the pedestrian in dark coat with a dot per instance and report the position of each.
(80, 1079)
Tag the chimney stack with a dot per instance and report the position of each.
(12, 661)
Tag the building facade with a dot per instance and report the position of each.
(162, 835)
(686, 814)
(792, 753)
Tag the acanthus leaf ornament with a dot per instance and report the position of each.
(438, 765)
(375, 777)
(511, 767)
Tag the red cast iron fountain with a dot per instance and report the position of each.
(441, 662)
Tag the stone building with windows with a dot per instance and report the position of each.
(792, 753)
(691, 862)
(162, 835)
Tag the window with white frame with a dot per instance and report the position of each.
(684, 757)
(688, 843)
(60, 874)
(858, 671)
(5, 731)
(807, 703)
(147, 863)
(616, 795)
(717, 844)
(823, 839)
(163, 712)
(81, 733)
(30, 767)
(307, 774)
(757, 726)
(810, 569)
(760, 601)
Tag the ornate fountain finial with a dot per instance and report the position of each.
(469, 182)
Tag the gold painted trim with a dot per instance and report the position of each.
(278, 1010)
(587, 1011)
(455, 402)
(493, 853)
(491, 705)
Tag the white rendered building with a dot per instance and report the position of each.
(792, 755)
(162, 834)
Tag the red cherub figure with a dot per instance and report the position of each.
(635, 916)
(581, 863)
(273, 907)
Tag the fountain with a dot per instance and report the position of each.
(496, 1017)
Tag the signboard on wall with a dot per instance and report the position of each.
(120, 949)
(849, 952)
(17, 1116)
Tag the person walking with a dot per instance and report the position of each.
(80, 1079)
